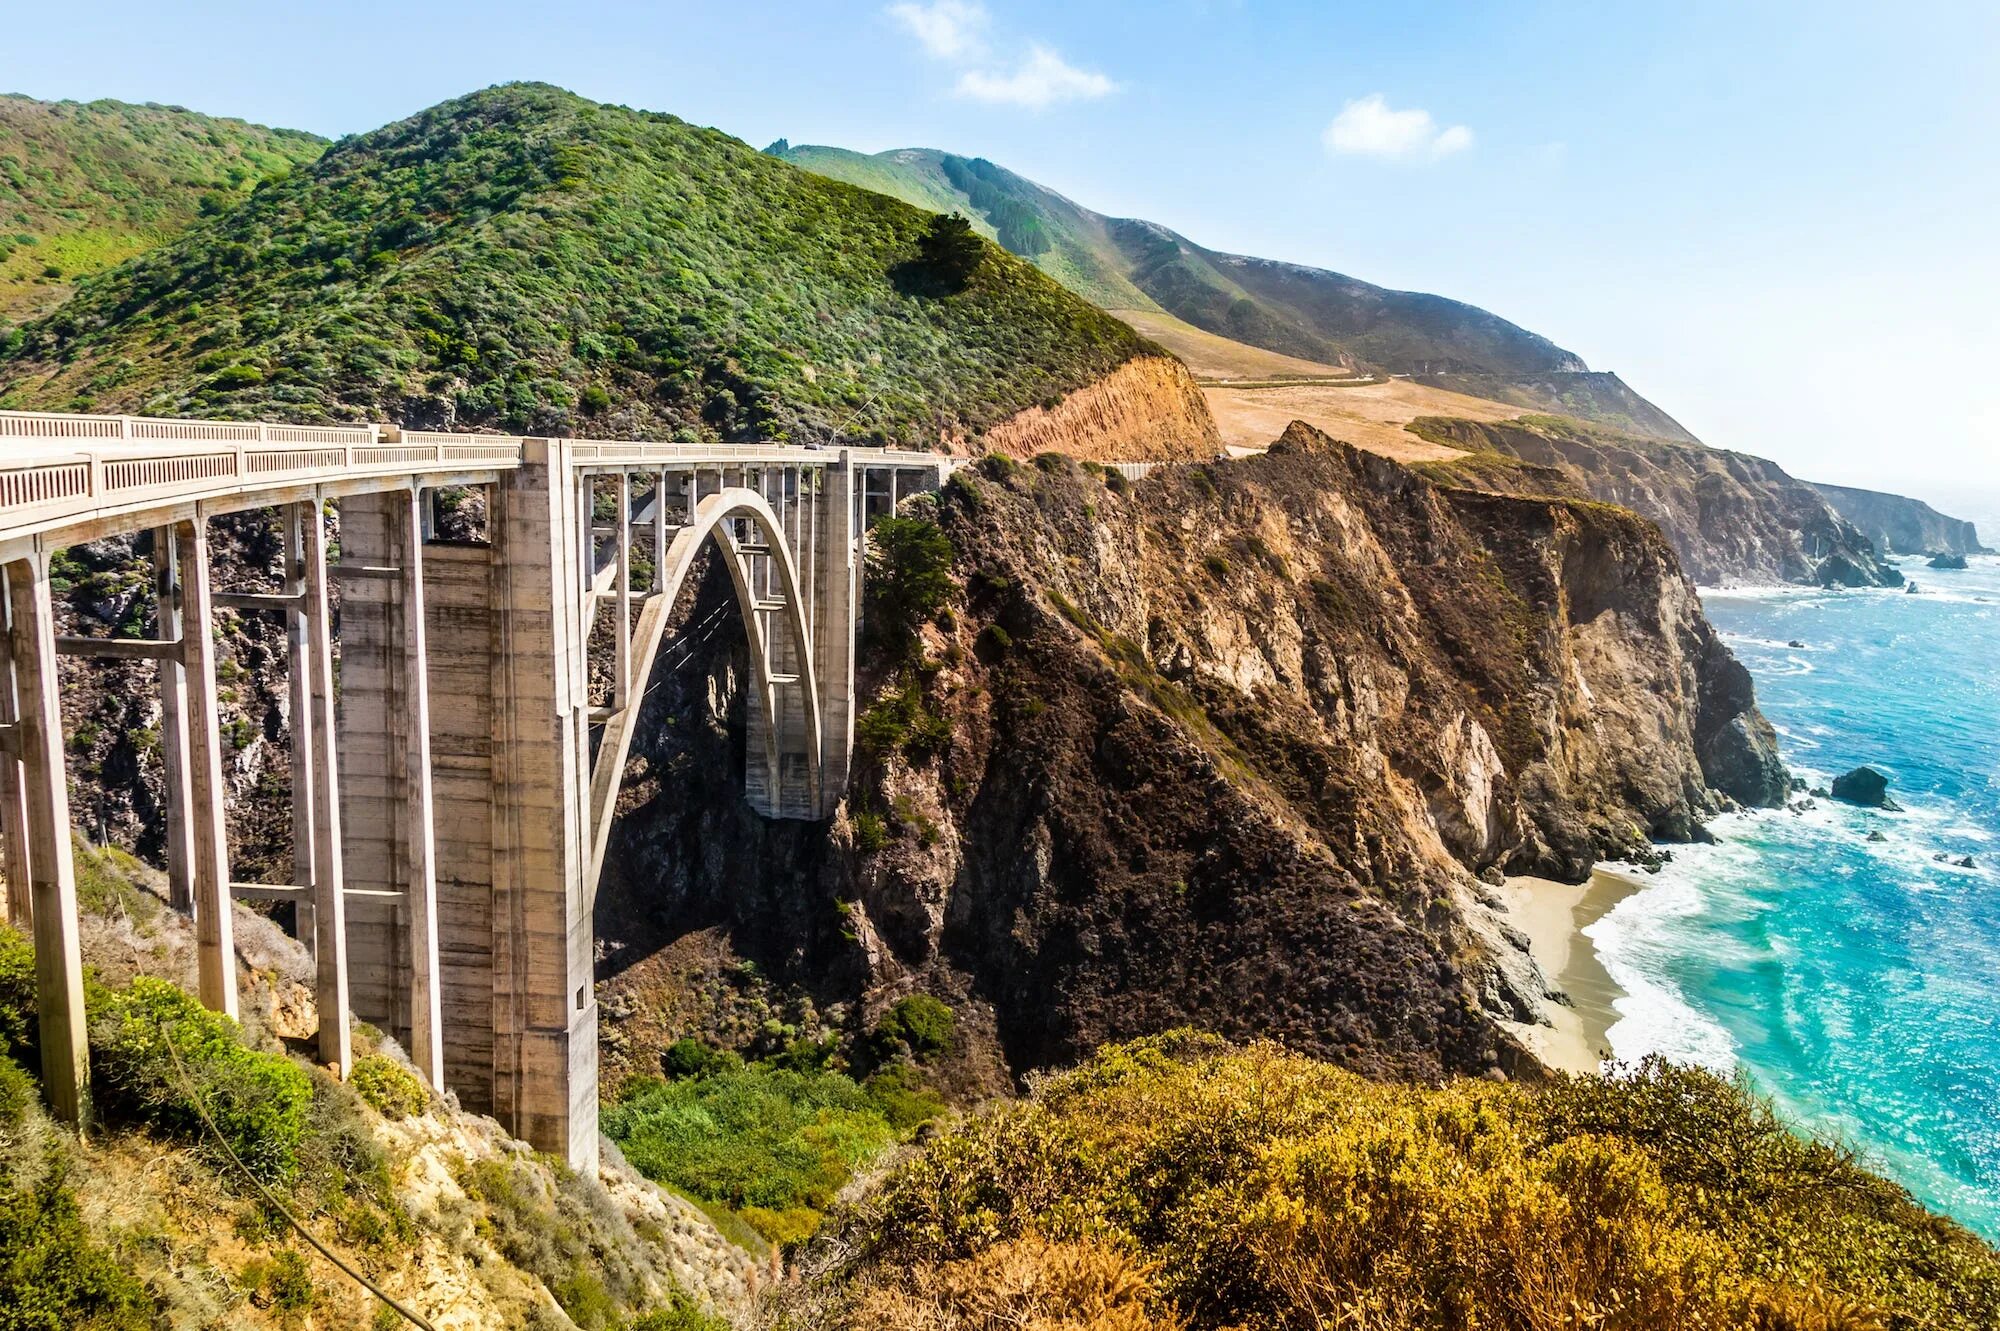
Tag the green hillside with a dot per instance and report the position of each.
(1311, 313)
(1068, 242)
(523, 258)
(85, 186)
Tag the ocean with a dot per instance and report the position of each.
(1853, 981)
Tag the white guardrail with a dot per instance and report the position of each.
(57, 470)
(52, 464)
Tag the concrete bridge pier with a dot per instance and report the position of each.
(38, 850)
(384, 724)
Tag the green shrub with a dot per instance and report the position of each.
(53, 1275)
(898, 1090)
(283, 1282)
(259, 1102)
(993, 640)
(681, 1314)
(921, 1022)
(763, 1140)
(690, 1057)
(870, 832)
(909, 578)
(106, 884)
(19, 1027)
(562, 1231)
(17, 1092)
(900, 720)
(392, 1089)
(998, 467)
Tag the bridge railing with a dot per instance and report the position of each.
(57, 468)
(63, 470)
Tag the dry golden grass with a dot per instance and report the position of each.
(1212, 356)
(1026, 1284)
(1370, 416)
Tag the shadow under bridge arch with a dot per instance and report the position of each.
(752, 544)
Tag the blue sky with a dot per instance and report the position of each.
(1775, 220)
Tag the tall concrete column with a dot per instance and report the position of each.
(39, 745)
(544, 1005)
(461, 640)
(174, 722)
(389, 861)
(336, 1045)
(298, 672)
(214, 930)
(835, 589)
(419, 843)
(15, 860)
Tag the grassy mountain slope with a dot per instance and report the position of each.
(527, 259)
(1293, 310)
(85, 186)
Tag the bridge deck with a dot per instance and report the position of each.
(66, 478)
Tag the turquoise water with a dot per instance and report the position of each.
(1855, 982)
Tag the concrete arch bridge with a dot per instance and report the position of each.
(453, 798)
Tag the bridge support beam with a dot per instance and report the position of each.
(305, 784)
(36, 741)
(385, 763)
(174, 722)
(544, 999)
(215, 936)
(836, 587)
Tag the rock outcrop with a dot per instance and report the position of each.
(1899, 525)
(1225, 747)
(1863, 786)
(1732, 518)
(1148, 409)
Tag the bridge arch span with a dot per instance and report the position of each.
(721, 518)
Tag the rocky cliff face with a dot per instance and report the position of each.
(1900, 525)
(1732, 518)
(1148, 409)
(1222, 748)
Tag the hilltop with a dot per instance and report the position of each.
(526, 259)
(1135, 267)
(84, 186)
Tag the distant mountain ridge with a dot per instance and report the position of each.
(1289, 308)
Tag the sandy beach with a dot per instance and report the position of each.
(1554, 915)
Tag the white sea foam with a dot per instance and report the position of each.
(1633, 942)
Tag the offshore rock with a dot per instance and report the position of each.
(1863, 786)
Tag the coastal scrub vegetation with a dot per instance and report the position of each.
(86, 185)
(1178, 1182)
(766, 1145)
(490, 262)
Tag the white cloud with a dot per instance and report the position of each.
(1367, 127)
(947, 29)
(1042, 80)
